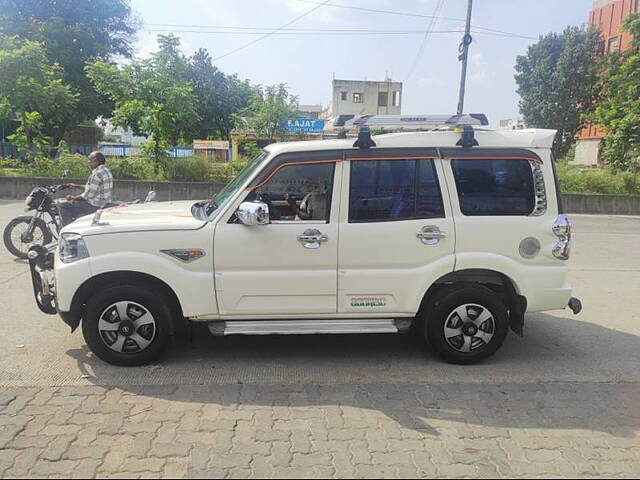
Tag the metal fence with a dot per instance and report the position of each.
(120, 150)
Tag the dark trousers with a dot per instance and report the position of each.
(72, 209)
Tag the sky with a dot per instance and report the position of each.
(428, 67)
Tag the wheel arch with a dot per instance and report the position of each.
(121, 277)
(497, 281)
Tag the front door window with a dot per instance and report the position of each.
(298, 192)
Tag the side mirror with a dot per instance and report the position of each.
(151, 196)
(253, 213)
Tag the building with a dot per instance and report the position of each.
(214, 150)
(366, 97)
(607, 16)
(512, 124)
(310, 111)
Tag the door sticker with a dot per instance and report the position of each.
(374, 301)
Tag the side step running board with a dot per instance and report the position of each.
(304, 327)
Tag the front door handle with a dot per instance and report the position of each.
(430, 235)
(312, 238)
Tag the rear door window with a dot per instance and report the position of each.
(394, 189)
(490, 187)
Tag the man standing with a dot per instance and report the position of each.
(97, 191)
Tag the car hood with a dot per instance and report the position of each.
(139, 217)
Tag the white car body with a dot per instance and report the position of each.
(362, 271)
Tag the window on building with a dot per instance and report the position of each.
(396, 98)
(494, 187)
(343, 96)
(358, 98)
(612, 45)
(298, 192)
(386, 190)
(383, 99)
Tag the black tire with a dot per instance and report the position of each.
(140, 296)
(23, 248)
(441, 312)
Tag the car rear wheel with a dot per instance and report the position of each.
(126, 325)
(466, 325)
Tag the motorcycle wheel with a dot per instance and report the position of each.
(18, 241)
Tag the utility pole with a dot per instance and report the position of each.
(464, 56)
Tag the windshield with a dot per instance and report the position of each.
(227, 192)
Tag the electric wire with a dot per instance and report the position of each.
(252, 42)
(425, 39)
(411, 14)
(328, 32)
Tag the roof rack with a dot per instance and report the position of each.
(407, 122)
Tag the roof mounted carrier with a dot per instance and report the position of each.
(364, 124)
(408, 122)
(467, 140)
(364, 141)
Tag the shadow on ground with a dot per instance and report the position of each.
(397, 376)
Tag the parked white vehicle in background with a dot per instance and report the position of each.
(457, 233)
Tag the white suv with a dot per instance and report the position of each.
(390, 232)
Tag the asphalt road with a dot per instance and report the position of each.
(602, 344)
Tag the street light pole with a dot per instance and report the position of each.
(464, 56)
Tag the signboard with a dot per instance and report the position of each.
(307, 125)
(210, 145)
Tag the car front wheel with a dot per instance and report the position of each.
(465, 325)
(126, 325)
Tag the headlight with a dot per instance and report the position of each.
(72, 248)
(27, 202)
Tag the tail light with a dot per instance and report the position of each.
(562, 230)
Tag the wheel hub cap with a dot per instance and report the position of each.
(127, 327)
(469, 327)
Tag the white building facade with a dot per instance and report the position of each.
(366, 97)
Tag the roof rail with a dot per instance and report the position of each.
(407, 122)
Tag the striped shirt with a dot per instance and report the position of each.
(99, 186)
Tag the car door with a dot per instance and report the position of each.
(396, 231)
(288, 267)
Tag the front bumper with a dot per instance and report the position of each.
(44, 284)
(42, 278)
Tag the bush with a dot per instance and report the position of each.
(225, 172)
(47, 167)
(131, 168)
(186, 169)
(598, 181)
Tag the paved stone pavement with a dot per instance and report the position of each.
(562, 402)
(231, 431)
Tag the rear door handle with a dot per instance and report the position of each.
(430, 235)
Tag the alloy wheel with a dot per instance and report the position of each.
(127, 327)
(469, 327)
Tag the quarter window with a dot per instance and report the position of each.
(386, 190)
(494, 187)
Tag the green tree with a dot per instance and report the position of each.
(151, 96)
(74, 32)
(270, 107)
(618, 106)
(556, 82)
(29, 137)
(32, 89)
(219, 96)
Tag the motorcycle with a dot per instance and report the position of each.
(25, 231)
